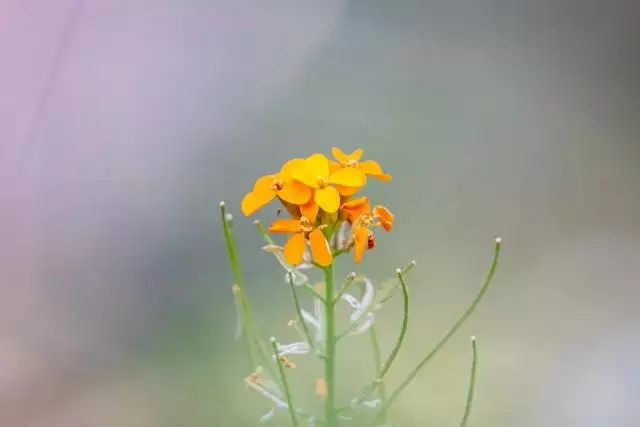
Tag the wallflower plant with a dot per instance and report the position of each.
(328, 220)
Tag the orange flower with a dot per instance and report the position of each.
(315, 173)
(363, 237)
(355, 208)
(364, 168)
(302, 229)
(282, 184)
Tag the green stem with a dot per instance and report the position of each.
(472, 384)
(296, 302)
(330, 350)
(377, 360)
(285, 385)
(251, 333)
(453, 329)
(384, 368)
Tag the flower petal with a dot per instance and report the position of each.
(294, 248)
(347, 191)
(320, 248)
(318, 165)
(286, 173)
(305, 176)
(295, 192)
(356, 207)
(384, 216)
(310, 210)
(285, 225)
(370, 167)
(328, 199)
(382, 177)
(252, 201)
(264, 184)
(348, 177)
(339, 155)
(334, 166)
(360, 237)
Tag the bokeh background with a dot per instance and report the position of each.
(124, 123)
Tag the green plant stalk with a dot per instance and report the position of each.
(452, 331)
(250, 329)
(296, 302)
(285, 385)
(384, 368)
(472, 384)
(330, 350)
(377, 360)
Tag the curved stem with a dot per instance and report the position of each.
(453, 329)
(296, 302)
(251, 333)
(472, 384)
(330, 350)
(285, 385)
(382, 371)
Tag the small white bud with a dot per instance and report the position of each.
(398, 270)
(273, 339)
(473, 337)
(413, 262)
(498, 239)
(228, 216)
(256, 222)
(222, 203)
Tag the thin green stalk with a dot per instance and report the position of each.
(330, 350)
(285, 385)
(453, 329)
(382, 371)
(313, 292)
(472, 384)
(349, 280)
(296, 302)
(251, 333)
(377, 360)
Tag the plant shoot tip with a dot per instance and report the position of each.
(413, 262)
(273, 340)
(398, 270)
(222, 203)
(473, 337)
(498, 239)
(256, 221)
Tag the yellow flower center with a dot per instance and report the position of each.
(277, 185)
(352, 163)
(305, 225)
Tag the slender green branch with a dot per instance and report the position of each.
(348, 281)
(313, 292)
(384, 368)
(296, 302)
(472, 384)
(285, 385)
(403, 329)
(251, 333)
(330, 351)
(377, 360)
(453, 329)
(264, 233)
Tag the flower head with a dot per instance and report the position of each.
(363, 168)
(301, 230)
(282, 185)
(315, 172)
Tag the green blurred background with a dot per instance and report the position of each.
(124, 123)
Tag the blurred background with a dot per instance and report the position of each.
(124, 123)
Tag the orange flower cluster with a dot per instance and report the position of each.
(318, 194)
